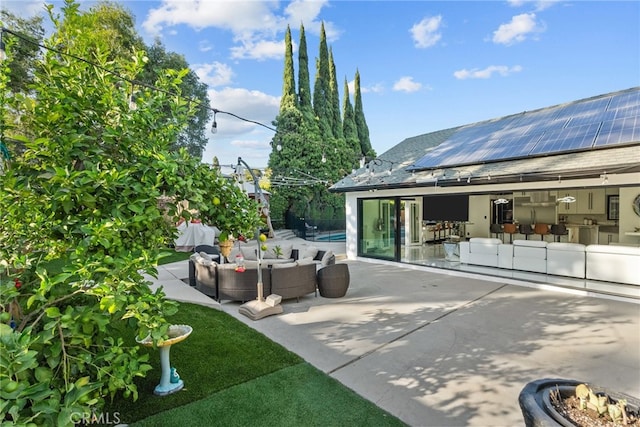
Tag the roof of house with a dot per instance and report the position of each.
(577, 139)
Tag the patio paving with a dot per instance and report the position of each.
(448, 348)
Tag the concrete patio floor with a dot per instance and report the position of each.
(438, 348)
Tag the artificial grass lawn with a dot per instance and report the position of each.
(174, 256)
(234, 375)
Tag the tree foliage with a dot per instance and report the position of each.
(87, 209)
(24, 52)
(313, 140)
(114, 26)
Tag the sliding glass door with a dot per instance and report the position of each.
(378, 228)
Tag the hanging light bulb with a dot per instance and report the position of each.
(324, 158)
(132, 99)
(279, 147)
(214, 125)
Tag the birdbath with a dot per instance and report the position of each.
(170, 381)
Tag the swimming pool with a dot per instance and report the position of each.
(332, 237)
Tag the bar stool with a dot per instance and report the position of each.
(558, 230)
(510, 229)
(542, 230)
(526, 230)
(496, 229)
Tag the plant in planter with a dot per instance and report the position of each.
(277, 251)
(547, 402)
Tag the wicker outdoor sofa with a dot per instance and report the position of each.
(292, 279)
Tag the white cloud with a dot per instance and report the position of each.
(376, 88)
(255, 25)
(406, 84)
(520, 27)
(260, 50)
(426, 32)
(240, 138)
(214, 74)
(24, 8)
(488, 72)
(537, 4)
(308, 12)
(249, 104)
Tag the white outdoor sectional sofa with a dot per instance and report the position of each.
(610, 263)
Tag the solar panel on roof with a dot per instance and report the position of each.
(581, 125)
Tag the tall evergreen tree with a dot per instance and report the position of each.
(304, 83)
(349, 129)
(361, 123)
(322, 90)
(289, 96)
(336, 125)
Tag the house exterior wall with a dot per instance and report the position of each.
(480, 203)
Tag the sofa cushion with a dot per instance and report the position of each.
(485, 240)
(249, 253)
(279, 266)
(531, 243)
(310, 252)
(613, 249)
(199, 259)
(484, 245)
(210, 257)
(568, 247)
(328, 258)
(270, 253)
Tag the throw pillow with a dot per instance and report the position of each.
(286, 251)
(269, 254)
(249, 253)
(310, 252)
(327, 258)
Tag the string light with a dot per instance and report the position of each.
(133, 82)
(214, 125)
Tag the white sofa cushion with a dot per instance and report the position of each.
(610, 263)
(484, 245)
(530, 255)
(566, 259)
(505, 256)
(530, 249)
(481, 251)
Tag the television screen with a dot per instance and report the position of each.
(446, 207)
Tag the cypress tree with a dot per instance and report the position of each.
(304, 84)
(289, 84)
(321, 89)
(336, 122)
(349, 129)
(361, 123)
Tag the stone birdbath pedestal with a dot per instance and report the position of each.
(170, 381)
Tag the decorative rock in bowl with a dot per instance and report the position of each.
(538, 410)
(170, 381)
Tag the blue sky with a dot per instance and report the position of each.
(424, 65)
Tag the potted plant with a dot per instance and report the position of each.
(539, 399)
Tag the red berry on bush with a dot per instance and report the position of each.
(18, 283)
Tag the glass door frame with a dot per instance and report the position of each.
(394, 201)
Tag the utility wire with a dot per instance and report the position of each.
(131, 81)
